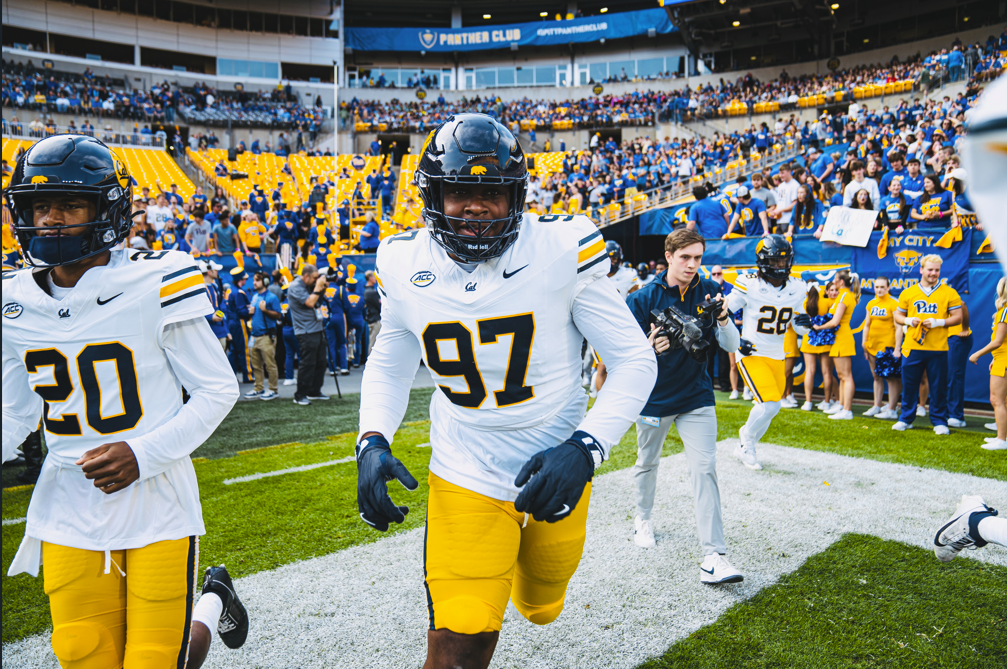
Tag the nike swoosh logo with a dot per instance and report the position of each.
(104, 302)
(566, 509)
(708, 571)
(507, 276)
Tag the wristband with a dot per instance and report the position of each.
(938, 322)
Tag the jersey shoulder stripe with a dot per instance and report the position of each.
(590, 251)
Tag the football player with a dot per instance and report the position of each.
(626, 281)
(100, 343)
(513, 453)
(772, 300)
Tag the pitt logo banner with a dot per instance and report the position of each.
(902, 262)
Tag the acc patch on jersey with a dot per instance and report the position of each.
(423, 279)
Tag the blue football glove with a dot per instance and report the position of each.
(376, 466)
(803, 320)
(746, 347)
(560, 474)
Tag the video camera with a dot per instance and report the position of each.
(684, 331)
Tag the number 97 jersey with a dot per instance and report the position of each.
(768, 311)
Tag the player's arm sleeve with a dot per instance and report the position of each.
(388, 376)
(738, 297)
(728, 336)
(22, 408)
(199, 364)
(603, 318)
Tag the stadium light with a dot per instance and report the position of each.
(723, 2)
(604, 10)
(736, 24)
(543, 14)
(835, 5)
(487, 16)
(866, 40)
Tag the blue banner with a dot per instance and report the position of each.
(902, 262)
(538, 33)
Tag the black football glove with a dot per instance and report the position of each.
(746, 347)
(803, 320)
(375, 467)
(560, 474)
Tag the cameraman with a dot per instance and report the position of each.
(683, 396)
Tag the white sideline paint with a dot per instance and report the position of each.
(13, 521)
(366, 606)
(291, 470)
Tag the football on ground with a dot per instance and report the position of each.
(833, 537)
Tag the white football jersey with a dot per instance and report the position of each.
(502, 342)
(624, 280)
(768, 311)
(107, 363)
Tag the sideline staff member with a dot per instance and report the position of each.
(305, 299)
(683, 396)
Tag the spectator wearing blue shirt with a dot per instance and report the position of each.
(356, 310)
(335, 330)
(751, 212)
(386, 183)
(168, 236)
(370, 235)
(933, 209)
(376, 147)
(238, 314)
(217, 320)
(898, 171)
(266, 313)
(257, 202)
(912, 183)
(710, 214)
(225, 237)
(956, 61)
(894, 206)
(809, 212)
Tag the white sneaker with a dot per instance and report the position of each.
(956, 533)
(887, 414)
(790, 399)
(842, 415)
(873, 411)
(716, 569)
(921, 411)
(835, 408)
(734, 395)
(995, 444)
(644, 536)
(823, 405)
(788, 403)
(268, 395)
(747, 456)
(807, 406)
(902, 427)
(941, 430)
(252, 394)
(289, 382)
(990, 426)
(954, 422)
(747, 395)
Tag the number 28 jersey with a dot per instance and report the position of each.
(502, 341)
(768, 311)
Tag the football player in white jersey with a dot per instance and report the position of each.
(100, 343)
(772, 300)
(496, 303)
(626, 281)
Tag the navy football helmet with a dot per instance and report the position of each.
(71, 165)
(774, 256)
(471, 149)
(614, 252)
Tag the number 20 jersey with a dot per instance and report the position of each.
(502, 343)
(768, 311)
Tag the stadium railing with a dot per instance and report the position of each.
(146, 141)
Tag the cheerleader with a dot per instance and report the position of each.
(882, 343)
(998, 369)
(817, 306)
(845, 348)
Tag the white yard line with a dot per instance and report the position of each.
(13, 521)
(366, 606)
(291, 470)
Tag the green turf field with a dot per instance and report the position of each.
(819, 616)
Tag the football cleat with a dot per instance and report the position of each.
(941, 430)
(644, 535)
(960, 532)
(233, 624)
(716, 570)
(902, 427)
(873, 411)
(747, 456)
(954, 422)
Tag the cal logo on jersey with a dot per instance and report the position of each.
(422, 279)
(923, 307)
(907, 260)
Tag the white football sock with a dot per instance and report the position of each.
(993, 530)
(208, 610)
(759, 420)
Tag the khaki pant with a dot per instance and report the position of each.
(264, 353)
(375, 328)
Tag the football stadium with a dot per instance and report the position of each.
(650, 333)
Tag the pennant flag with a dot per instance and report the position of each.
(950, 237)
(883, 244)
(986, 246)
